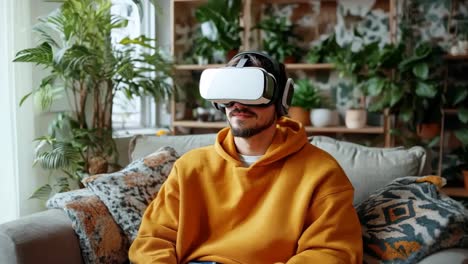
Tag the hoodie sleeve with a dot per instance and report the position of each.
(332, 233)
(156, 239)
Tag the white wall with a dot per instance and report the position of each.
(22, 124)
(9, 202)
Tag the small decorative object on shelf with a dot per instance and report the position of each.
(324, 117)
(356, 118)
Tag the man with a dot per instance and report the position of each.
(261, 194)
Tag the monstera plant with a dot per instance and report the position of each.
(86, 67)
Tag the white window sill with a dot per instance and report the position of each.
(130, 132)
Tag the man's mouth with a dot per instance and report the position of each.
(242, 113)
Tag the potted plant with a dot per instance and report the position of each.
(325, 113)
(408, 82)
(305, 97)
(220, 29)
(324, 117)
(279, 39)
(322, 51)
(82, 63)
(352, 64)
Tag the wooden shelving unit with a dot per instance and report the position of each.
(180, 7)
(445, 112)
(309, 129)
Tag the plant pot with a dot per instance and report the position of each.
(202, 60)
(465, 178)
(230, 54)
(202, 114)
(428, 130)
(289, 59)
(463, 46)
(355, 118)
(300, 114)
(323, 117)
(180, 110)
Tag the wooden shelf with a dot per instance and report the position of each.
(198, 124)
(455, 191)
(338, 129)
(343, 129)
(456, 57)
(196, 67)
(308, 66)
(450, 111)
(177, 1)
(290, 66)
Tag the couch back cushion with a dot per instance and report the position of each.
(367, 168)
(371, 168)
(141, 145)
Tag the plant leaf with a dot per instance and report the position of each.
(396, 94)
(462, 135)
(421, 70)
(42, 193)
(41, 55)
(461, 93)
(63, 184)
(62, 156)
(463, 114)
(375, 86)
(424, 89)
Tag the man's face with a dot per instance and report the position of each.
(247, 121)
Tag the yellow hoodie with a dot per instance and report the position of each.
(293, 205)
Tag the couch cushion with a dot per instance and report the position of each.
(409, 219)
(128, 192)
(449, 256)
(101, 239)
(32, 238)
(370, 168)
(140, 145)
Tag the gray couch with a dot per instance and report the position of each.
(48, 237)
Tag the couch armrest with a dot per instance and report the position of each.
(41, 237)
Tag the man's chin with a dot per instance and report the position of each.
(244, 131)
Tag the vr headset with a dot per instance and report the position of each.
(251, 86)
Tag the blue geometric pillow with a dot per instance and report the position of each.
(410, 219)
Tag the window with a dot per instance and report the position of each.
(138, 112)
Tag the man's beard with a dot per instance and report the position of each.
(240, 131)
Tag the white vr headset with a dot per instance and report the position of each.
(245, 85)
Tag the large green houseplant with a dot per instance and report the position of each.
(220, 29)
(279, 40)
(76, 50)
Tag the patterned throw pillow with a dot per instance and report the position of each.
(410, 219)
(101, 239)
(128, 192)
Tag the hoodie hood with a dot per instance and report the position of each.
(290, 137)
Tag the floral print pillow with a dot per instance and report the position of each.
(101, 240)
(128, 192)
